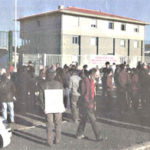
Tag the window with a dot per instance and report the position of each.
(122, 43)
(75, 40)
(136, 29)
(38, 23)
(135, 44)
(93, 41)
(123, 27)
(111, 25)
(93, 23)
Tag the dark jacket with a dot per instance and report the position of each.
(104, 78)
(123, 79)
(7, 90)
(66, 79)
(135, 85)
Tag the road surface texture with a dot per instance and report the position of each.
(121, 131)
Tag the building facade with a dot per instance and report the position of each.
(76, 31)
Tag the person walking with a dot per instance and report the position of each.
(87, 97)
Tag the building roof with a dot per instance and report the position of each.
(88, 13)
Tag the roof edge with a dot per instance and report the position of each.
(105, 17)
(73, 12)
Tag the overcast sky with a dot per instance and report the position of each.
(138, 9)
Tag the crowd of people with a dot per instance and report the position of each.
(129, 85)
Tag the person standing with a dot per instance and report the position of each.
(75, 95)
(135, 88)
(104, 78)
(66, 79)
(110, 88)
(52, 118)
(7, 92)
(123, 85)
(87, 97)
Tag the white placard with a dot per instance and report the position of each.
(54, 101)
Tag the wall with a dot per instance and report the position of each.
(82, 26)
(42, 34)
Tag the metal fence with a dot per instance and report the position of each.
(90, 60)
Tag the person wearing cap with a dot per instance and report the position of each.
(51, 83)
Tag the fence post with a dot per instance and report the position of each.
(79, 59)
(97, 45)
(142, 48)
(10, 46)
(114, 46)
(128, 47)
(45, 60)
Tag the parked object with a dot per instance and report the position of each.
(5, 133)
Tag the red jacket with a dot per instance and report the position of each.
(87, 92)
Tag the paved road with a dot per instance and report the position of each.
(118, 138)
(122, 130)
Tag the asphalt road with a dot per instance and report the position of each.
(118, 138)
(120, 130)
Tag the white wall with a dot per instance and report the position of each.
(82, 26)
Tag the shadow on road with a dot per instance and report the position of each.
(30, 137)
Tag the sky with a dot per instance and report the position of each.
(137, 9)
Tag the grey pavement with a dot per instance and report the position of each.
(121, 131)
(33, 136)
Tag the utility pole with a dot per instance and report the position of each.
(16, 39)
(64, 3)
(10, 46)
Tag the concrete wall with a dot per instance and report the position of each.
(86, 47)
(123, 51)
(134, 50)
(105, 46)
(68, 47)
(42, 34)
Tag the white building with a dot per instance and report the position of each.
(77, 31)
